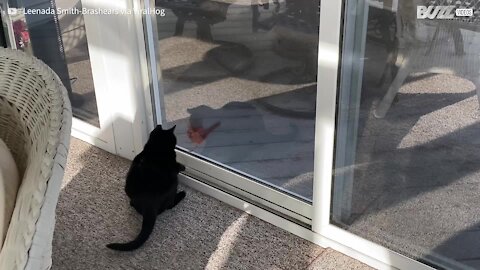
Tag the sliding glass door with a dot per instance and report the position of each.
(239, 79)
(359, 118)
(61, 41)
(407, 156)
(94, 62)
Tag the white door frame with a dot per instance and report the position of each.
(329, 67)
(118, 57)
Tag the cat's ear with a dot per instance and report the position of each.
(173, 128)
(159, 126)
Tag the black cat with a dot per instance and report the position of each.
(152, 183)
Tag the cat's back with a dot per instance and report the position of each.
(151, 172)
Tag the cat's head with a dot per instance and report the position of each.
(161, 139)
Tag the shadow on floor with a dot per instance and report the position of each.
(200, 233)
(417, 170)
(280, 154)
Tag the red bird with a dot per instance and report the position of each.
(199, 134)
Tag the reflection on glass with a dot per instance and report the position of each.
(407, 164)
(239, 80)
(60, 41)
(3, 41)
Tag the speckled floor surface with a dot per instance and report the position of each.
(200, 233)
(416, 187)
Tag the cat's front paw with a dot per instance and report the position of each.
(180, 167)
(181, 195)
(178, 198)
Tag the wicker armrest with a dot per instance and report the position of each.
(35, 122)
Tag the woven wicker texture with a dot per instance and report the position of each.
(35, 123)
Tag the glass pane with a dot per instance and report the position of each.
(3, 34)
(407, 167)
(239, 80)
(60, 41)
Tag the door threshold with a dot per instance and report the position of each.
(286, 224)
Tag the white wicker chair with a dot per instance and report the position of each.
(35, 123)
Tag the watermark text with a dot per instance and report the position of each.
(442, 12)
(85, 11)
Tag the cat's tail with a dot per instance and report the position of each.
(149, 218)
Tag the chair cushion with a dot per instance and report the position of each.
(9, 184)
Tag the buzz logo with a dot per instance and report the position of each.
(436, 12)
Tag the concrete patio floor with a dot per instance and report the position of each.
(200, 233)
(416, 174)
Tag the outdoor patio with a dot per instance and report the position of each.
(262, 99)
(416, 174)
(200, 233)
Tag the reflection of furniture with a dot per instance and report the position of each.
(296, 34)
(234, 57)
(35, 122)
(381, 23)
(413, 55)
(256, 23)
(381, 28)
(3, 40)
(203, 12)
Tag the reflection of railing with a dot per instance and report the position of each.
(73, 28)
(381, 26)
